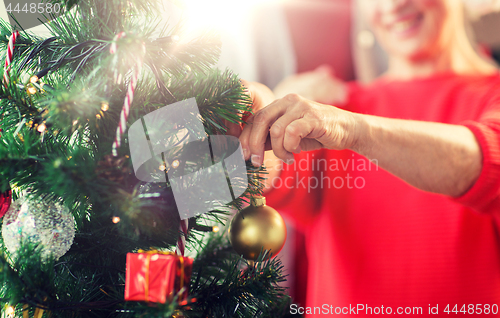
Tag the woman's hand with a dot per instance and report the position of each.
(319, 85)
(292, 124)
(261, 96)
(435, 157)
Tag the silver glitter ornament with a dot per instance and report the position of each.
(50, 225)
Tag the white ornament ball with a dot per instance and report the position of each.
(49, 225)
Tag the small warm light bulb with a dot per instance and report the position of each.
(162, 167)
(104, 106)
(41, 128)
(34, 79)
(116, 219)
(75, 122)
(175, 164)
(98, 116)
(215, 229)
(10, 311)
(32, 90)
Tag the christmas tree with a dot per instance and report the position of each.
(77, 207)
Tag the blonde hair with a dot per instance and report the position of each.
(464, 39)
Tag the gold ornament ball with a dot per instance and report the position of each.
(255, 228)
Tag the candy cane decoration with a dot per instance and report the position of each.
(129, 97)
(10, 53)
(114, 47)
(181, 242)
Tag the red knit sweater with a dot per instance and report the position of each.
(373, 240)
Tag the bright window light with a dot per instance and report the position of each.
(219, 14)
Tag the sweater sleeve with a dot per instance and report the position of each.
(293, 193)
(484, 195)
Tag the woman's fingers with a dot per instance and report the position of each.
(245, 137)
(295, 132)
(278, 133)
(275, 117)
(293, 124)
(295, 137)
(233, 129)
(260, 95)
(261, 122)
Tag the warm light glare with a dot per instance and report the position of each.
(175, 164)
(41, 128)
(34, 79)
(32, 90)
(222, 14)
(215, 229)
(104, 106)
(10, 310)
(162, 167)
(116, 219)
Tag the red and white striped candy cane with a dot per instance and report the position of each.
(120, 130)
(181, 242)
(113, 46)
(10, 52)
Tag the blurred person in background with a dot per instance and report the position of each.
(397, 186)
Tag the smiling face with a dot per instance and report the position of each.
(412, 29)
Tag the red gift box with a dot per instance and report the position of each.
(155, 276)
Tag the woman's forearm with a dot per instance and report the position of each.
(435, 157)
